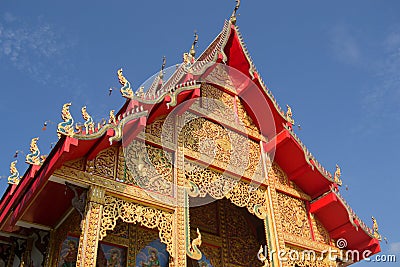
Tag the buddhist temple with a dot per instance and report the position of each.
(198, 168)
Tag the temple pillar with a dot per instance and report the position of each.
(272, 232)
(90, 227)
(179, 259)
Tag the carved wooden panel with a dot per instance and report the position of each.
(241, 237)
(293, 216)
(320, 233)
(205, 218)
(104, 163)
(218, 102)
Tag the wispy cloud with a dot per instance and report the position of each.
(383, 98)
(344, 45)
(394, 248)
(34, 47)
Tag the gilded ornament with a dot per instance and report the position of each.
(112, 119)
(67, 126)
(126, 89)
(14, 178)
(233, 16)
(375, 229)
(289, 115)
(34, 157)
(337, 175)
(89, 123)
(193, 249)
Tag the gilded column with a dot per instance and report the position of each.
(273, 228)
(179, 259)
(90, 225)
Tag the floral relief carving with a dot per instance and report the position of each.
(104, 163)
(129, 212)
(150, 167)
(161, 130)
(320, 233)
(293, 216)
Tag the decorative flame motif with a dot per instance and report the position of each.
(192, 51)
(14, 177)
(126, 89)
(67, 126)
(89, 123)
(194, 251)
(233, 16)
(375, 229)
(112, 119)
(337, 175)
(34, 157)
(289, 115)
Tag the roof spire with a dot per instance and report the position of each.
(233, 16)
(164, 63)
(192, 49)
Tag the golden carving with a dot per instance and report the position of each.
(193, 249)
(337, 175)
(218, 102)
(112, 119)
(213, 254)
(245, 118)
(219, 186)
(88, 241)
(151, 167)
(296, 256)
(161, 131)
(123, 172)
(205, 217)
(129, 212)
(14, 178)
(67, 126)
(34, 158)
(89, 123)
(104, 163)
(294, 216)
(76, 164)
(221, 147)
(289, 115)
(320, 233)
(126, 89)
(375, 229)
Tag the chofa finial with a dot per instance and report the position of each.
(14, 177)
(233, 16)
(126, 89)
(289, 115)
(375, 229)
(66, 127)
(337, 175)
(34, 157)
(192, 49)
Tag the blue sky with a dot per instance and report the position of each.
(336, 63)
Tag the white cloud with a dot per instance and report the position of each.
(394, 248)
(32, 46)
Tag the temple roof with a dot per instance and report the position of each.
(229, 49)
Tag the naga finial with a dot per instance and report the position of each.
(34, 157)
(112, 119)
(14, 177)
(194, 251)
(337, 175)
(66, 127)
(192, 51)
(89, 123)
(126, 89)
(233, 16)
(289, 115)
(375, 228)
